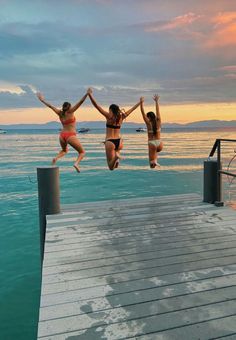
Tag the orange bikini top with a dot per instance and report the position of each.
(68, 121)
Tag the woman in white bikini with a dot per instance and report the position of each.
(68, 133)
(113, 141)
(153, 123)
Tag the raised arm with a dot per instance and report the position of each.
(77, 105)
(41, 98)
(142, 110)
(156, 99)
(95, 104)
(127, 113)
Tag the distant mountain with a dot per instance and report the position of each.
(55, 125)
(101, 125)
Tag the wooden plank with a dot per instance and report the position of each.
(124, 219)
(156, 323)
(104, 297)
(138, 264)
(121, 243)
(135, 311)
(74, 237)
(139, 268)
(147, 273)
(78, 255)
(213, 329)
(134, 200)
(133, 208)
(138, 298)
(78, 264)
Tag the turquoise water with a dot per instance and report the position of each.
(22, 151)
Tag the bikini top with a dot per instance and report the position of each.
(113, 126)
(68, 121)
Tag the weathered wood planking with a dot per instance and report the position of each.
(146, 268)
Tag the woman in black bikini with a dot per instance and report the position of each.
(113, 142)
(68, 133)
(153, 123)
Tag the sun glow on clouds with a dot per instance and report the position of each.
(184, 50)
(210, 31)
(177, 22)
(224, 30)
(169, 113)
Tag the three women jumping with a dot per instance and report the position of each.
(113, 140)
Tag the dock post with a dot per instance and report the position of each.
(48, 198)
(210, 181)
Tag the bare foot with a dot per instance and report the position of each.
(76, 167)
(155, 165)
(152, 165)
(116, 161)
(116, 164)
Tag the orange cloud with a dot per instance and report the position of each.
(224, 31)
(224, 18)
(177, 22)
(229, 68)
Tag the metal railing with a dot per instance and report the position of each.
(217, 148)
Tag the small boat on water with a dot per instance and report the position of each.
(2, 131)
(141, 129)
(83, 130)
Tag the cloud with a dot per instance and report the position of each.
(6, 87)
(229, 68)
(223, 31)
(124, 48)
(173, 24)
(17, 96)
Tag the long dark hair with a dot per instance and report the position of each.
(65, 107)
(116, 112)
(152, 117)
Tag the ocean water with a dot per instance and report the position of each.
(21, 152)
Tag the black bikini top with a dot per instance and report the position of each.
(113, 126)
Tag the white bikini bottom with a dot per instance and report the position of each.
(155, 142)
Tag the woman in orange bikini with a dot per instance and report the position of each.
(113, 141)
(68, 133)
(153, 123)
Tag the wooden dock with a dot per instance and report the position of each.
(146, 268)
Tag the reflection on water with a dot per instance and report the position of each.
(20, 153)
(28, 149)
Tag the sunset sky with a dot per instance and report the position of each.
(183, 50)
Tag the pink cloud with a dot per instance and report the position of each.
(175, 23)
(224, 18)
(209, 31)
(223, 32)
(229, 68)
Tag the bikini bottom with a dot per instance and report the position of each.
(115, 141)
(155, 142)
(65, 135)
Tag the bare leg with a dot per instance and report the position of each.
(153, 152)
(152, 156)
(75, 143)
(63, 152)
(159, 148)
(112, 155)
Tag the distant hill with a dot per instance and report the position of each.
(101, 125)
